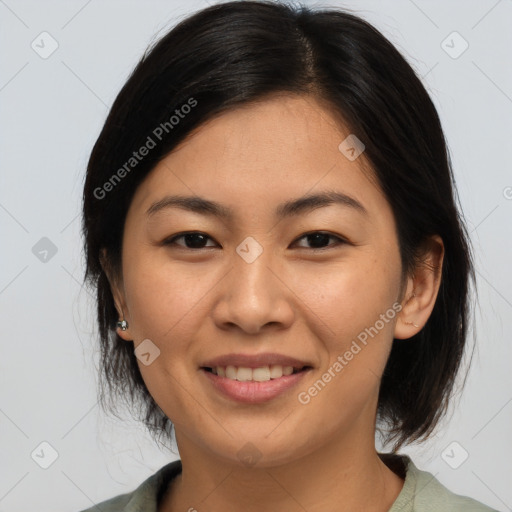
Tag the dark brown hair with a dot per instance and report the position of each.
(237, 52)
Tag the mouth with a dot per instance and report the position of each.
(253, 385)
(259, 374)
(254, 378)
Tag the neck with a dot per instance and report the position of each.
(342, 476)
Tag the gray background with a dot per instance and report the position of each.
(51, 111)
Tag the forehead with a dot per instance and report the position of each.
(263, 154)
(292, 127)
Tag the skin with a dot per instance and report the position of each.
(198, 303)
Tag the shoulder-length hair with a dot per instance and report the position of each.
(237, 52)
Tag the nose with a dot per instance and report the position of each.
(254, 296)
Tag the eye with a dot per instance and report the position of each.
(193, 240)
(319, 238)
(197, 240)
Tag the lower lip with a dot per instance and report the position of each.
(251, 392)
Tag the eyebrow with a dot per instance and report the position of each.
(290, 208)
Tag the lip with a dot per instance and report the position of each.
(252, 392)
(255, 361)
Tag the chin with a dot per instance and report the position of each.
(264, 452)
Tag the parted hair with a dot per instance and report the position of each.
(237, 52)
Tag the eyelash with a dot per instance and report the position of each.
(339, 240)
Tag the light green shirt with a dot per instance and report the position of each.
(421, 492)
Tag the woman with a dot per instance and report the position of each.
(281, 268)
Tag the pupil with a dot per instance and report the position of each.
(318, 237)
(189, 239)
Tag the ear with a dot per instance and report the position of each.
(117, 289)
(421, 290)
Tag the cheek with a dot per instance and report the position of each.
(165, 307)
(357, 308)
(163, 297)
(350, 296)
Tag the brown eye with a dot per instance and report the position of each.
(193, 240)
(320, 240)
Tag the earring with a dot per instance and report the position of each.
(123, 325)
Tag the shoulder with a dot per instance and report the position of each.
(432, 495)
(422, 492)
(145, 496)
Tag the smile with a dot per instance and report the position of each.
(254, 385)
(261, 374)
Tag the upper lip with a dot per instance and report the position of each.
(254, 361)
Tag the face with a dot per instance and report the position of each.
(318, 283)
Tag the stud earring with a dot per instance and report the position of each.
(123, 325)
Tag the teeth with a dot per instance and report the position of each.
(244, 374)
(287, 370)
(231, 372)
(275, 371)
(262, 374)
